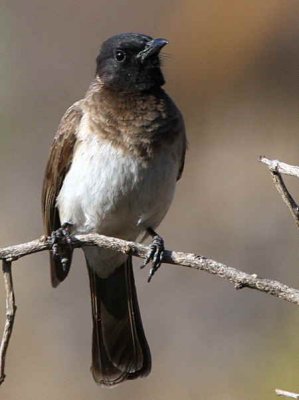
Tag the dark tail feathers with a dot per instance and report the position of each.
(119, 347)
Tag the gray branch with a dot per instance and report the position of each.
(284, 393)
(281, 167)
(10, 315)
(277, 168)
(238, 278)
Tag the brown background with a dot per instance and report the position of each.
(233, 69)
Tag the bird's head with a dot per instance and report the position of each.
(130, 62)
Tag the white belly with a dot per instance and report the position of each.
(110, 192)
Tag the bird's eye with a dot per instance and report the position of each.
(120, 55)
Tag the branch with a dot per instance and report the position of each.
(10, 316)
(281, 167)
(284, 393)
(276, 169)
(238, 278)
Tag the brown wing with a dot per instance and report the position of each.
(59, 162)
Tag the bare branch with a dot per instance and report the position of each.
(238, 278)
(284, 393)
(276, 168)
(283, 168)
(10, 315)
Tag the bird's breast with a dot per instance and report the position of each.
(112, 191)
(138, 123)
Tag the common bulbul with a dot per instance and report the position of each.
(112, 170)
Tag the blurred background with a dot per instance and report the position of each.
(233, 69)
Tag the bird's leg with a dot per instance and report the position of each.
(60, 239)
(155, 254)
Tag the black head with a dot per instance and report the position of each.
(130, 62)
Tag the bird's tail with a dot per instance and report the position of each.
(119, 347)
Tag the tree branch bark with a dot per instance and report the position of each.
(238, 278)
(281, 167)
(10, 315)
(277, 168)
(284, 393)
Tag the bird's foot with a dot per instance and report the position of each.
(155, 254)
(61, 238)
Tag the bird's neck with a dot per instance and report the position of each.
(104, 97)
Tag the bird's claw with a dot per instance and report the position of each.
(155, 256)
(59, 239)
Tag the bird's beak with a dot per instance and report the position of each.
(152, 48)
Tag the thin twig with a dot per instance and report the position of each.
(284, 393)
(10, 315)
(275, 170)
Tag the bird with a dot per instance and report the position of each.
(112, 170)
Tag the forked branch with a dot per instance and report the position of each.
(276, 169)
